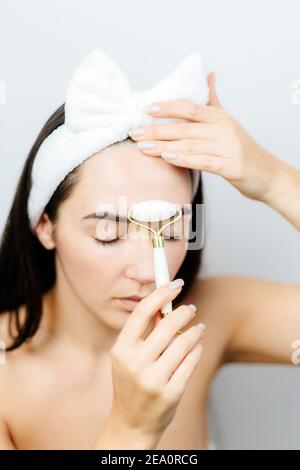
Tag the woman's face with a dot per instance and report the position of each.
(97, 274)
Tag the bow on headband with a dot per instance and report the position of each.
(99, 94)
(100, 109)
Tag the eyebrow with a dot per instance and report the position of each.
(123, 218)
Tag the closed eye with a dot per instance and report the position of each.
(115, 240)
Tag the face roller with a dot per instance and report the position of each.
(156, 211)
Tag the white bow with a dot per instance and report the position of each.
(99, 94)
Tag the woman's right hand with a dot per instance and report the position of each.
(150, 373)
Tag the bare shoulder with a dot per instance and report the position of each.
(230, 293)
(9, 361)
(218, 299)
(6, 442)
(5, 340)
(219, 295)
(254, 319)
(6, 358)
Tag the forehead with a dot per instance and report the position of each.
(123, 170)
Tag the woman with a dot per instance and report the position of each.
(94, 375)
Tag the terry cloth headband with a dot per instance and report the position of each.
(100, 109)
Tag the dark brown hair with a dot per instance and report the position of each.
(27, 269)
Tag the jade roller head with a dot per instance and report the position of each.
(150, 211)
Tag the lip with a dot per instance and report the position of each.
(129, 303)
(136, 298)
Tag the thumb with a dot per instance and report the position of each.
(213, 96)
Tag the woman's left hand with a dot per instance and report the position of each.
(211, 140)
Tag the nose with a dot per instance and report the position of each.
(140, 264)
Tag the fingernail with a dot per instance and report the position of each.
(169, 155)
(201, 326)
(176, 284)
(146, 145)
(193, 307)
(137, 131)
(152, 108)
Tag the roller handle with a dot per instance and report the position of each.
(162, 273)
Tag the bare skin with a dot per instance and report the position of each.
(61, 402)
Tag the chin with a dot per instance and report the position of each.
(113, 318)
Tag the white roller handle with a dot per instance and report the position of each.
(162, 273)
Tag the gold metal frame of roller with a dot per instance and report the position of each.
(158, 240)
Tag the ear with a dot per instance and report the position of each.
(45, 232)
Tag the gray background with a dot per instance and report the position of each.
(253, 46)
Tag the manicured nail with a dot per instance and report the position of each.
(193, 307)
(152, 108)
(176, 284)
(201, 326)
(169, 155)
(146, 145)
(137, 131)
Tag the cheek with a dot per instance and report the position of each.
(85, 262)
(176, 251)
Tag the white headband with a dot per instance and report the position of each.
(100, 109)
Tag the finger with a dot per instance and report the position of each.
(201, 162)
(213, 96)
(189, 110)
(160, 336)
(157, 318)
(146, 309)
(181, 376)
(174, 131)
(190, 147)
(172, 357)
